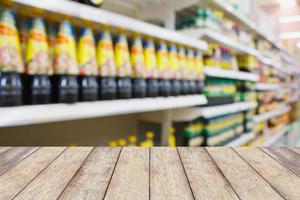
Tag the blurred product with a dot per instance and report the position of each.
(11, 65)
(175, 74)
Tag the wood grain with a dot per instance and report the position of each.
(285, 156)
(14, 180)
(92, 179)
(52, 181)
(205, 178)
(12, 156)
(246, 182)
(296, 149)
(131, 176)
(281, 178)
(167, 176)
(3, 149)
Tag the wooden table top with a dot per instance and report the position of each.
(149, 173)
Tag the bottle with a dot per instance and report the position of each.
(95, 3)
(87, 66)
(199, 75)
(171, 137)
(183, 67)
(192, 87)
(64, 83)
(122, 142)
(106, 67)
(151, 68)
(174, 68)
(132, 140)
(124, 71)
(112, 143)
(163, 67)
(36, 81)
(149, 139)
(138, 66)
(11, 64)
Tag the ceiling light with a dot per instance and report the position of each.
(290, 35)
(289, 19)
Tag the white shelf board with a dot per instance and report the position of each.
(240, 141)
(100, 16)
(230, 74)
(24, 115)
(275, 137)
(267, 86)
(189, 114)
(273, 113)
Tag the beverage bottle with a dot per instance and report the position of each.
(192, 87)
(65, 85)
(95, 3)
(151, 68)
(132, 139)
(36, 80)
(138, 67)
(123, 66)
(88, 70)
(11, 64)
(174, 68)
(183, 68)
(164, 69)
(106, 67)
(199, 75)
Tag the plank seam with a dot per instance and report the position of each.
(112, 173)
(84, 161)
(149, 173)
(295, 151)
(259, 174)
(220, 171)
(280, 162)
(187, 178)
(5, 150)
(39, 174)
(15, 164)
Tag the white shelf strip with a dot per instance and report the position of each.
(189, 114)
(275, 137)
(96, 15)
(242, 140)
(267, 86)
(23, 115)
(273, 113)
(230, 74)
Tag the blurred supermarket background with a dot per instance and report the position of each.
(150, 72)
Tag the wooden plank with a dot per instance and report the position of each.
(12, 156)
(246, 182)
(3, 149)
(130, 179)
(282, 179)
(52, 181)
(296, 149)
(285, 156)
(167, 176)
(205, 178)
(92, 179)
(15, 179)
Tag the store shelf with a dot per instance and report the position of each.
(242, 140)
(277, 136)
(267, 86)
(230, 74)
(99, 16)
(24, 115)
(189, 114)
(274, 113)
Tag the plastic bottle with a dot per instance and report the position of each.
(138, 66)
(172, 138)
(151, 68)
(95, 3)
(192, 87)
(36, 82)
(87, 66)
(124, 71)
(199, 75)
(132, 139)
(65, 84)
(112, 143)
(174, 68)
(183, 67)
(106, 67)
(164, 69)
(122, 142)
(11, 65)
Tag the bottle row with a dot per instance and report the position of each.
(43, 63)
